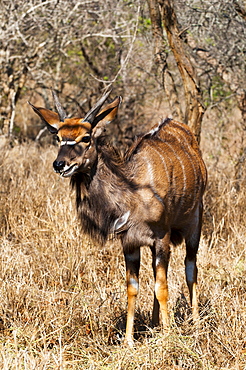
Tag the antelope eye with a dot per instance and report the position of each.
(86, 139)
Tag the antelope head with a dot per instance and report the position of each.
(77, 136)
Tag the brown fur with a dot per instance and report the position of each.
(151, 196)
(118, 184)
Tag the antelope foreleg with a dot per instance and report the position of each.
(132, 272)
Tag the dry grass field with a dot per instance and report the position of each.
(63, 299)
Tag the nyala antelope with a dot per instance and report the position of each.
(151, 196)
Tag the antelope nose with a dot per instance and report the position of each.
(58, 165)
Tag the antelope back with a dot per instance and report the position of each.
(170, 172)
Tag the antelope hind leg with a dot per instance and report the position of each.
(192, 244)
(161, 287)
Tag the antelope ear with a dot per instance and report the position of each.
(51, 119)
(105, 116)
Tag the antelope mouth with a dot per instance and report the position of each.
(69, 170)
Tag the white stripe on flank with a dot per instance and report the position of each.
(163, 161)
(185, 141)
(150, 172)
(151, 179)
(182, 166)
(165, 168)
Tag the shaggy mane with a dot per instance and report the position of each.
(98, 213)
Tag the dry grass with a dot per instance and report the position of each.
(62, 298)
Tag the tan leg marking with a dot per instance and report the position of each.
(161, 291)
(132, 271)
(132, 291)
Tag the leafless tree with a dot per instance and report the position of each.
(161, 54)
(61, 44)
(165, 12)
(216, 38)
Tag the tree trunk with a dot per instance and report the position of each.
(194, 109)
(161, 54)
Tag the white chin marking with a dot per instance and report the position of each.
(69, 170)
